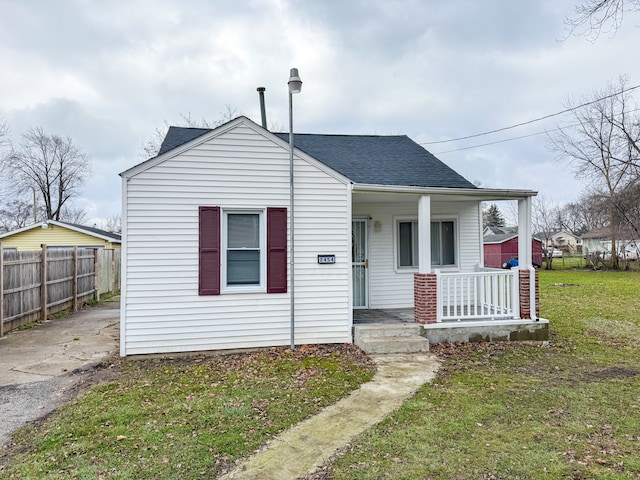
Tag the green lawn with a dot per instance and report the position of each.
(569, 409)
(188, 417)
(566, 409)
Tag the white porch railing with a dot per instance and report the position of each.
(486, 295)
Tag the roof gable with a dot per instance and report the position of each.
(179, 140)
(394, 160)
(92, 231)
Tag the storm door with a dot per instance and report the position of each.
(360, 263)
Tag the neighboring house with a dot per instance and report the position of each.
(501, 245)
(56, 234)
(598, 241)
(561, 239)
(379, 223)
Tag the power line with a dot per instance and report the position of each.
(530, 121)
(511, 139)
(493, 143)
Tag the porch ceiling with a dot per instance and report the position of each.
(380, 194)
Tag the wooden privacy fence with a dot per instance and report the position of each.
(107, 278)
(34, 284)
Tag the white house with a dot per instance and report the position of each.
(379, 223)
(560, 239)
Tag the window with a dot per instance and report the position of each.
(408, 244)
(442, 244)
(240, 250)
(243, 249)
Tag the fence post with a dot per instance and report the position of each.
(43, 276)
(96, 284)
(1, 291)
(112, 270)
(75, 278)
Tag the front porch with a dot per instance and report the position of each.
(423, 249)
(481, 330)
(489, 305)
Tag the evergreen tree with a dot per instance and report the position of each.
(492, 217)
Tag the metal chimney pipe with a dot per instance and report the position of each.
(263, 111)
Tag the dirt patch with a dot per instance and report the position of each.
(609, 373)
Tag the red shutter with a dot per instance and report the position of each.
(209, 251)
(276, 250)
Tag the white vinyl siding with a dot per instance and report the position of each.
(240, 169)
(392, 287)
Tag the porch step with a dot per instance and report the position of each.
(390, 338)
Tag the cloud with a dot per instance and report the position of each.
(108, 73)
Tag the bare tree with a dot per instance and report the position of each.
(4, 136)
(151, 147)
(52, 165)
(627, 205)
(16, 214)
(70, 214)
(544, 221)
(590, 211)
(593, 17)
(112, 224)
(600, 151)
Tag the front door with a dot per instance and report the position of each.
(360, 263)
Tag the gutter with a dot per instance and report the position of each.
(489, 193)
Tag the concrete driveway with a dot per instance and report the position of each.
(41, 365)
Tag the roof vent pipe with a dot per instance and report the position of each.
(263, 111)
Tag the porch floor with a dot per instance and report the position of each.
(386, 316)
(405, 315)
(457, 331)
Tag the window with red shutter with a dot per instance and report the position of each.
(231, 254)
(276, 250)
(209, 251)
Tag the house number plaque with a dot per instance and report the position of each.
(322, 259)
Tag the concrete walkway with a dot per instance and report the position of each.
(39, 365)
(306, 446)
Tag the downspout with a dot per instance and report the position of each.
(263, 110)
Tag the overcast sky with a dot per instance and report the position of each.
(108, 73)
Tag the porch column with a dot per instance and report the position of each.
(425, 282)
(528, 277)
(525, 233)
(529, 294)
(425, 298)
(424, 234)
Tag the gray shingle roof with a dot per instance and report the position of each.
(364, 159)
(95, 230)
(379, 159)
(177, 136)
(498, 237)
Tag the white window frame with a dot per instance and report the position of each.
(396, 244)
(456, 241)
(252, 288)
(414, 220)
